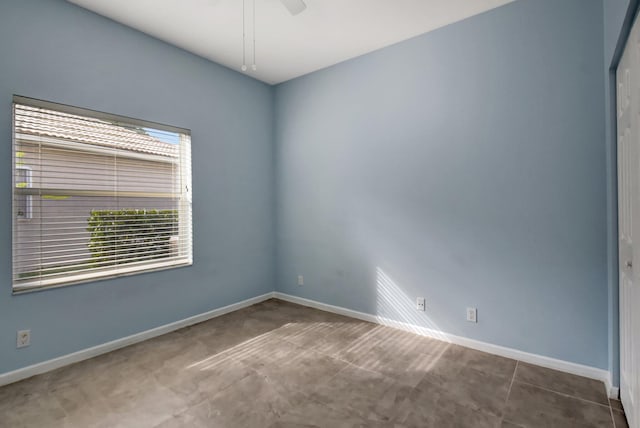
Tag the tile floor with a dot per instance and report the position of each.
(277, 364)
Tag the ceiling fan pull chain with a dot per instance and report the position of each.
(244, 42)
(254, 67)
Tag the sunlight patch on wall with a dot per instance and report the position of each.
(396, 309)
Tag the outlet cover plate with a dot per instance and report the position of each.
(472, 315)
(23, 338)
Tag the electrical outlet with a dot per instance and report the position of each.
(23, 338)
(300, 280)
(420, 303)
(472, 315)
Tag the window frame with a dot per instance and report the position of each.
(135, 268)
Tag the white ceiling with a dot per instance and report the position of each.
(327, 32)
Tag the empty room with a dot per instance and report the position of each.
(320, 213)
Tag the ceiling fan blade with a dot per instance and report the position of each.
(294, 6)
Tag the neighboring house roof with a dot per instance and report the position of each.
(42, 122)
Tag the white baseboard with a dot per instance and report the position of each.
(45, 366)
(565, 366)
(540, 360)
(614, 391)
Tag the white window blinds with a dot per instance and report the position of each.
(96, 195)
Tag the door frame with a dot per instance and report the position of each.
(612, 199)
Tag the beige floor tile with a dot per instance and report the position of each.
(255, 401)
(467, 386)
(620, 420)
(616, 405)
(277, 364)
(588, 389)
(363, 394)
(481, 361)
(530, 406)
(433, 406)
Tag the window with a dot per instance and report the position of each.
(96, 195)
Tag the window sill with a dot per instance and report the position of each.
(81, 278)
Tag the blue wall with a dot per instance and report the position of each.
(56, 51)
(466, 166)
(614, 12)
